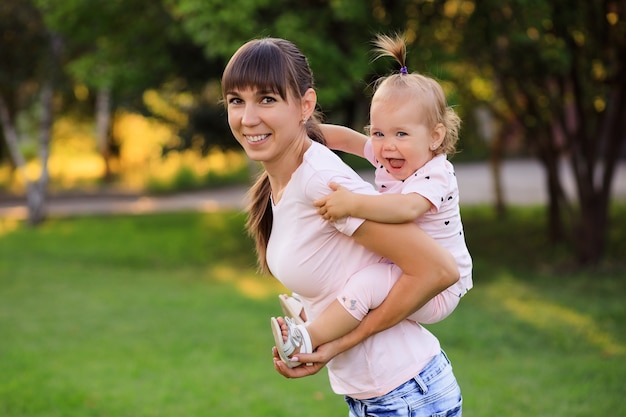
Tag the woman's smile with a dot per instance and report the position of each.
(256, 138)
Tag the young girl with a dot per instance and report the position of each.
(411, 131)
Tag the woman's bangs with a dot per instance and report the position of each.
(259, 66)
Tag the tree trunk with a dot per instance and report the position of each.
(557, 203)
(496, 174)
(36, 192)
(556, 200)
(12, 140)
(103, 128)
(591, 231)
(594, 179)
(495, 139)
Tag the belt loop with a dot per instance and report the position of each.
(356, 406)
(421, 384)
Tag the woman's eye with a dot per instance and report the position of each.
(268, 100)
(234, 100)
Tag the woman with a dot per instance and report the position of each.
(387, 364)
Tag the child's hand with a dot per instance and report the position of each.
(335, 205)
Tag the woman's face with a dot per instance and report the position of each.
(265, 124)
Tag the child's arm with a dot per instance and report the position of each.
(344, 139)
(383, 208)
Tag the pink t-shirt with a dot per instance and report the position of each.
(315, 258)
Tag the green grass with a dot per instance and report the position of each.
(163, 315)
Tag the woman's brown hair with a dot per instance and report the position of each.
(278, 66)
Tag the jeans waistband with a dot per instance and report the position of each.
(430, 372)
(434, 367)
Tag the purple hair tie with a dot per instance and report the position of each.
(403, 70)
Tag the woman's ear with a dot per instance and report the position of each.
(309, 101)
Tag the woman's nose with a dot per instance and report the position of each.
(250, 116)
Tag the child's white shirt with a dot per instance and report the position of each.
(435, 181)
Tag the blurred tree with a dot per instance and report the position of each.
(559, 68)
(336, 52)
(30, 61)
(551, 71)
(331, 33)
(118, 49)
(335, 35)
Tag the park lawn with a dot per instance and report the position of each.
(164, 315)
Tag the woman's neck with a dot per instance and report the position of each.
(281, 170)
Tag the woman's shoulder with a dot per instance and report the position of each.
(319, 159)
(322, 166)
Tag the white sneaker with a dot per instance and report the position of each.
(297, 339)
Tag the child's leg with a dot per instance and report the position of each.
(437, 309)
(368, 288)
(292, 336)
(333, 323)
(364, 290)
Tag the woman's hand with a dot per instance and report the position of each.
(318, 360)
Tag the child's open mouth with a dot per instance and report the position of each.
(396, 163)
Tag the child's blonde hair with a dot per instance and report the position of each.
(425, 89)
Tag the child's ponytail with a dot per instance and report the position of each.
(394, 47)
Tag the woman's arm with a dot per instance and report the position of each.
(344, 139)
(428, 269)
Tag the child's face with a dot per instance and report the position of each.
(401, 140)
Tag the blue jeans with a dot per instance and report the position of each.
(432, 393)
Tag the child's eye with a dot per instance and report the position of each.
(377, 134)
(401, 134)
